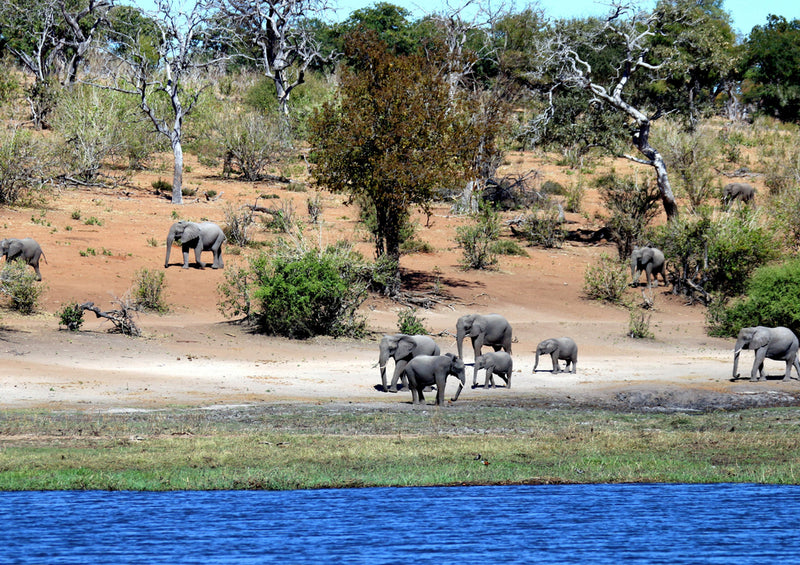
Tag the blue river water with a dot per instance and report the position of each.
(653, 523)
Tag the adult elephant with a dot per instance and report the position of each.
(403, 348)
(559, 349)
(739, 191)
(651, 261)
(206, 236)
(26, 249)
(496, 363)
(429, 370)
(778, 343)
(489, 329)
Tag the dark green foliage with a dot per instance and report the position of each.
(162, 186)
(18, 283)
(314, 294)
(772, 299)
(409, 323)
(705, 256)
(508, 247)
(772, 65)
(71, 316)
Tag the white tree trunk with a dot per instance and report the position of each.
(177, 173)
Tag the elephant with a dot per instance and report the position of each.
(496, 363)
(491, 329)
(428, 370)
(26, 249)
(403, 348)
(778, 343)
(558, 348)
(206, 236)
(739, 191)
(651, 261)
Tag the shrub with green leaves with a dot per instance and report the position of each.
(772, 298)
(18, 283)
(409, 323)
(310, 295)
(148, 290)
(71, 316)
(543, 226)
(606, 280)
(632, 204)
(477, 240)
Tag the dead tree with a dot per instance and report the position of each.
(122, 317)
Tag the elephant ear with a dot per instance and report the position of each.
(15, 248)
(190, 232)
(404, 348)
(760, 339)
(478, 327)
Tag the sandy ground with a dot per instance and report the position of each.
(193, 356)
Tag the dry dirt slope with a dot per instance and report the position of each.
(194, 356)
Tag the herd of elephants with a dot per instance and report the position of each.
(418, 361)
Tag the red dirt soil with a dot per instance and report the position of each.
(194, 356)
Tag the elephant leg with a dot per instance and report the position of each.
(36, 269)
(796, 365)
(554, 357)
(399, 373)
(198, 254)
(788, 375)
(217, 251)
(757, 373)
(489, 381)
(477, 345)
(185, 250)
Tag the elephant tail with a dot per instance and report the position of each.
(45, 258)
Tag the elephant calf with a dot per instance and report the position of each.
(739, 191)
(206, 236)
(26, 249)
(778, 343)
(496, 363)
(429, 370)
(651, 261)
(559, 348)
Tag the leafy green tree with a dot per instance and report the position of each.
(391, 139)
(772, 68)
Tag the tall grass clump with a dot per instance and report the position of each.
(148, 290)
(478, 239)
(606, 280)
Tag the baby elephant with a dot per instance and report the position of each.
(27, 250)
(558, 348)
(740, 191)
(496, 363)
(651, 261)
(429, 370)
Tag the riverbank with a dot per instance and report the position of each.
(333, 445)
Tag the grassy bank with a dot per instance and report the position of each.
(313, 446)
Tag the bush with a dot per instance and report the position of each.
(71, 316)
(772, 299)
(607, 280)
(632, 205)
(148, 291)
(237, 225)
(408, 323)
(251, 142)
(311, 295)
(23, 165)
(705, 256)
(18, 283)
(639, 325)
(543, 226)
(477, 240)
(508, 247)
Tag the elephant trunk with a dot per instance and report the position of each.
(536, 363)
(461, 333)
(461, 378)
(170, 240)
(736, 352)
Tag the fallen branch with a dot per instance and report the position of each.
(122, 318)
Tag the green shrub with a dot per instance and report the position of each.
(606, 280)
(543, 226)
(632, 205)
(310, 295)
(409, 323)
(508, 247)
(477, 240)
(162, 186)
(71, 316)
(639, 324)
(148, 290)
(772, 298)
(18, 283)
